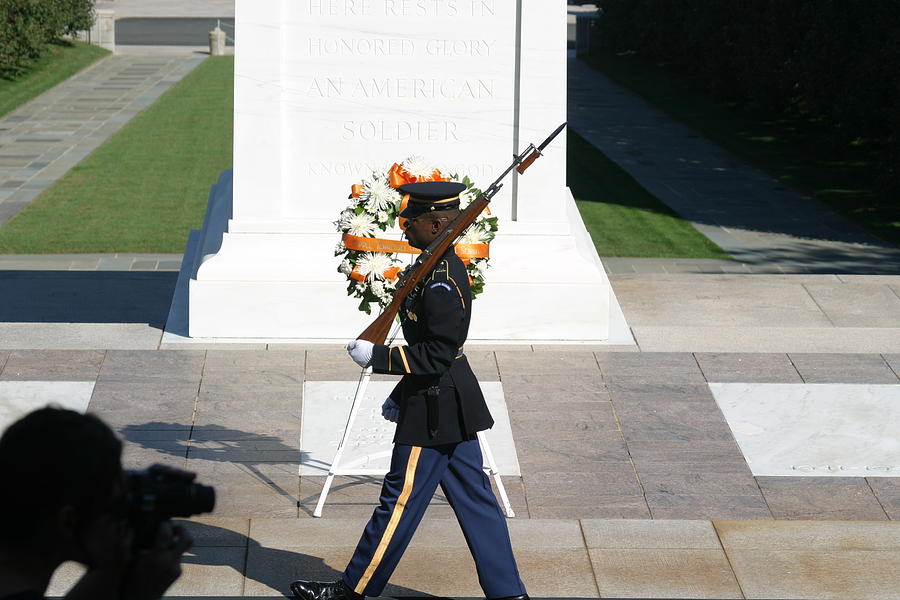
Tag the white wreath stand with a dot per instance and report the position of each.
(336, 468)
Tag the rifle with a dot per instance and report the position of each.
(378, 331)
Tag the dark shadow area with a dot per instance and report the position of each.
(171, 31)
(812, 256)
(821, 241)
(712, 187)
(86, 296)
(221, 444)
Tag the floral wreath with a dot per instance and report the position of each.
(371, 264)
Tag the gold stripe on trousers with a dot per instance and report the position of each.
(399, 507)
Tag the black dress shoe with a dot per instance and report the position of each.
(319, 590)
(522, 597)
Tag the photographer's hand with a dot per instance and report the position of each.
(154, 570)
(107, 548)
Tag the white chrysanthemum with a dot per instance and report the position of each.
(480, 266)
(379, 196)
(382, 216)
(362, 224)
(474, 235)
(378, 289)
(346, 267)
(339, 248)
(361, 287)
(372, 265)
(418, 167)
(465, 199)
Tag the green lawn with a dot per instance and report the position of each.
(147, 186)
(61, 61)
(622, 217)
(795, 150)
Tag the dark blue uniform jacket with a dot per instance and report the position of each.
(439, 397)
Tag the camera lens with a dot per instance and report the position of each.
(204, 498)
(185, 500)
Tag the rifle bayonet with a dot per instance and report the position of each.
(538, 152)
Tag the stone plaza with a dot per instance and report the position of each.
(632, 482)
(743, 447)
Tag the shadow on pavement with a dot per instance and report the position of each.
(219, 444)
(274, 568)
(257, 454)
(814, 256)
(86, 296)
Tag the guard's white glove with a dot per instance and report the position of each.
(390, 410)
(361, 352)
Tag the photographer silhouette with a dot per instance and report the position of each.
(65, 497)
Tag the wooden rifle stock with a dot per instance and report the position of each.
(527, 162)
(378, 331)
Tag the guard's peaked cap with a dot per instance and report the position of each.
(430, 196)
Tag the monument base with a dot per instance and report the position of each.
(243, 281)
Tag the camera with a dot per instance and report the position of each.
(154, 495)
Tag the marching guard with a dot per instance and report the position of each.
(439, 408)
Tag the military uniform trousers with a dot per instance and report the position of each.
(414, 476)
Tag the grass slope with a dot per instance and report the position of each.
(622, 217)
(794, 149)
(61, 61)
(147, 186)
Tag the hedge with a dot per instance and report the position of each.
(27, 26)
(834, 60)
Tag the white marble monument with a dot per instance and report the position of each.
(326, 91)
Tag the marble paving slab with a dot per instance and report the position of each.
(815, 430)
(326, 408)
(18, 398)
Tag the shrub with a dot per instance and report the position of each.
(27, 26)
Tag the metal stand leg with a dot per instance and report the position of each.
(492, 471)
(335, 464)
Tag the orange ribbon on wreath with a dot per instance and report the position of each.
(391, 274)
(466, 252)
(400, 176)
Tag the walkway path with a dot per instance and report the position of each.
(746, 212)
(42, 140)
(90, 262)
